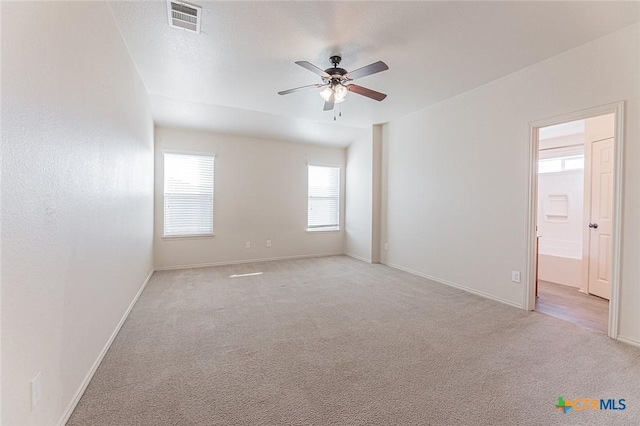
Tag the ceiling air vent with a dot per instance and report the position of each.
(184, 16)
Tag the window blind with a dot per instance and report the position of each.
(324, 198)
(188, 194)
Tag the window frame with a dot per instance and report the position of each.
(339, 198)
(562, 159)
(188, 236)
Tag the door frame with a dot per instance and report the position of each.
(617, 109)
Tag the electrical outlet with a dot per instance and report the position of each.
(386, 246)
(247, 244)
(268, 243)
(515, 276)
(36, 390)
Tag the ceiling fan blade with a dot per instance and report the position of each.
(328, 105)
(313, 69)
(366, 92)
(286, 92)
(368, 70)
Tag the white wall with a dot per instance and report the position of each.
(260, 193)
(561, 236)
(376, 219)
(456, 187)
(359, 197)
(560, 239)
(560, 270)
(566, 141)
(77, 197)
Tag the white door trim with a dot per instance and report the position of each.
(616, 108)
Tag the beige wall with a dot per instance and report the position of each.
(77, 198)
(456, 174)
(260, 193)
(359, 191)
(376, 235)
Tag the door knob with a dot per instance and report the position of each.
(593, 225)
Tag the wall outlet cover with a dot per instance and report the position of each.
(515, 276)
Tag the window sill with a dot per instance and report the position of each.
(322, 230)
(188, 237)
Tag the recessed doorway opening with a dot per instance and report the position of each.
(574, 218)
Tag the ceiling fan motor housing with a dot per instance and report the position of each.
(337, 74)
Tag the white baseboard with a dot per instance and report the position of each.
(238, 262)
(83, 386)
(355, 256)
(629, 341)
(456, 285)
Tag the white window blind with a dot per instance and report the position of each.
(324, 198)
(188, 194)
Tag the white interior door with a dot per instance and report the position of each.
(600, 222)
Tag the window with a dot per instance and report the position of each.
(188, 195)
(561, 164)
(324, 198)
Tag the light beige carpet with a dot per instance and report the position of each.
(335, 341)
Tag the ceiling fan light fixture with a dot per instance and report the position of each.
(340, 91)
(326, 93)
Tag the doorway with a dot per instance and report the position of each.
(575, 225)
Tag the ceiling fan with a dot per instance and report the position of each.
(336, 81)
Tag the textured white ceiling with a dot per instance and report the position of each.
(190, 115)
(435, 50)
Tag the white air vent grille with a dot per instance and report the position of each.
(184, 16)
